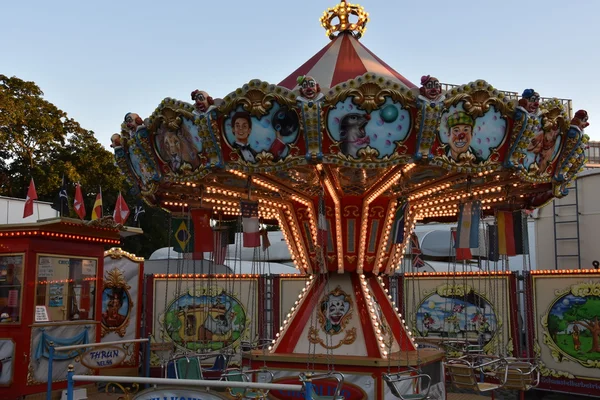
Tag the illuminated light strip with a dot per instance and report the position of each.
(309, 286)
(117, 252)
(294, 228)
(409, 225)
(163, 276)
(563, 271)
(389, 221)
(376, 191)
(466, 273)
(381, 345)
(338, 220)
(407, 329)
(287, 236)
(56, 235)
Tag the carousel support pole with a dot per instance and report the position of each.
(50, 362)
(308, 390)
(70, 382)
(147, 361)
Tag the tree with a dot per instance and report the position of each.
(555, 325)
(39, 141)
(587, 315)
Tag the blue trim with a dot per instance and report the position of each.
(50, 362)
(508, 163)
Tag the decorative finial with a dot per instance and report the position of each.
(343, 12)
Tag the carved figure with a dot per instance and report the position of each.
(580, 120)
(115, 140)
(203, 103)
(530, 102)
(310, 91)
(431, 89)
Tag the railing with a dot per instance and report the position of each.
(53, 349)
(72, 378)
(567, 103)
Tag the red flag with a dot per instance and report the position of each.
(78, 202)
(202, 233)
(121, 212)
(31, 196)
(461, 254)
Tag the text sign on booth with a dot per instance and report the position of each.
(103, 357)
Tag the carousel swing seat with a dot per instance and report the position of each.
(188, 368)
(521, 375)
(309, 377)
(465, 375)
(237, 375)
(218, 368)
(398, 383)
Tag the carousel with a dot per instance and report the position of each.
(346, 155)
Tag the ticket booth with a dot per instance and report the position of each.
(50, 292)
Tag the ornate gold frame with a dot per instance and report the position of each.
(116, 280)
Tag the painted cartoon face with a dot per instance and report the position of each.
(533, 103)
(460, 138)
(201, 101)
(432, 89)
(241, 130)
(173, 144)
(309, 88)
(337, 307)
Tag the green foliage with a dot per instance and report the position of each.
(556, 324)
(39, 141)
(173, 324)
(586, 311)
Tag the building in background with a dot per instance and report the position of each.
(11, 211)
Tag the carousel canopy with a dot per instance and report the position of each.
(345, 172)
(343, 59)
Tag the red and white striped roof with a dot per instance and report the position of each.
(342, 59)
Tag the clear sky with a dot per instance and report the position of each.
(98, 60)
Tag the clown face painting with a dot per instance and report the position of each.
(460, 130)
(336, 311)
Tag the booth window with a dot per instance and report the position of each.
(66, 286)
(11, 286)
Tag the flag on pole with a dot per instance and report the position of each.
(121, 210)
(61, 201)
(493, 243)
(467, 236)
(521, 232)
(399, 220)
(182, 234)
(250, 223)
(97, 211)
(31, 196)
(506, 236)
(415, 250)
(138, 212)
(461, 253)
(202, 233)
(78, 202)
(266, 243)
(221, 242)
(322, 225)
